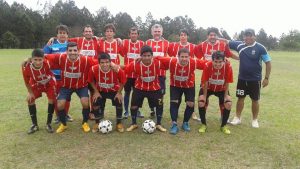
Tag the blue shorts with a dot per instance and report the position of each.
(65, 93)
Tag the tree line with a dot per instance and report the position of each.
(26, 28)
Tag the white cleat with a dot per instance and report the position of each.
(236, 121)
(255, 123)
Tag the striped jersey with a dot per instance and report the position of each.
(205, 49)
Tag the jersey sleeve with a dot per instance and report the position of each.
(121, 76)
(205, 74)
(200, 64)
(229, 73)
(76, 40)
(129, 68)
(164, 62)
(25, 74)
(198, 51)
(234, 44)
(264, 54)
(91, 77)
(47, 49)
(227, 51)
(53, 60)
(171, 49)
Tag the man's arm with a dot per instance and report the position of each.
(30, 96)
(267, 75)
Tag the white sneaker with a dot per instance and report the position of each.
(255, 123)
(236, 121)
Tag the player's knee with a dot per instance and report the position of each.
(31, 102)
(50, 101)
(190, 104)
(133, 107)
(228, 104)
(85, 102)
(61, 104)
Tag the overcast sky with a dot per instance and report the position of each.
(276, 17)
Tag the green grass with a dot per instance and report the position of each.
(276, 144)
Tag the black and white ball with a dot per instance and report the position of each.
(149, 126)
(105, 126)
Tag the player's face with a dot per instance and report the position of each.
(183, 37)
(109, 33)
(212, 37)
(249, 39)
(105, 64)
(147, 58)
(133, 35)
(62, 36)
(37, 61)
(218, 63)
(72, 52)
(88, 33)
(184, 59)
(156, 33)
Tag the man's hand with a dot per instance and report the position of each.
(202, 100)
(30, 97)
(96, 96)
(265, 82)
(51, 40)
(114, 66)
(119, 97)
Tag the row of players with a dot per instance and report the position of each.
(158, 50)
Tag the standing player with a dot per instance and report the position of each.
(182, 81)
(59, 45)
(146, 85)
(38, 79)
(74, 72)
(251, 56)
(107, 84)
(131, 51)
(215, 80)
(160, 48)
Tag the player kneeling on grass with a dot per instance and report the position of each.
(107, 84)
(146, 85)
(216, 77)
(38, 78)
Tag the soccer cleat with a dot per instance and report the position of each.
(186, 127)
(174, 129)
(33, 129)
(140, 114)
(132, 127)
(203, 128)
(61, 128)
(49, 128)
(194, 117)
(255, 123)
(161, 128)
(56, 120)
(120, 128)
(86, 128)
(152, 114)
(69, 118)
(236, 121)
(95, 128)
(126, 115)
(225, 130)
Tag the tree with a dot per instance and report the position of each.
(9, 40)
(123, 23)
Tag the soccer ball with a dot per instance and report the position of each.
(149, 126)
(105, 126)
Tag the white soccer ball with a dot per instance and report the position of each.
(149, 126)
(105, 126)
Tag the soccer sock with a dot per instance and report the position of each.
(126, 101)
(188, 113)
(32, 112)
(159, 113)
(50, 113)
(202, 113)
(119, 113)
(62, 117)
(221, 109)
(152, 109)
(67, 107)
(174, 111)
(225, 117)
(85, 115)
(133, 115)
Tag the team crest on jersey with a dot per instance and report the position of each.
(87, 45)
(156, 47)
(253, 52)
(181, 71)
(72, 68)
(109, 49)
(148, 72)
(105, 78)
(217, 73)
(134, 48)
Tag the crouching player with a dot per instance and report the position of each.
(38, 78)
(107, 84)
(146, 85)
(182, 81)
(216, 77)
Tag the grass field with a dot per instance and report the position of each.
(276, 144)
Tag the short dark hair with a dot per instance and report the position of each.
(212, 29)
(110, 26)
(184, 31)
(62, 28)
(218, 55)
(249, 31)
(37, 53)
(71, 44)
(145, 49)
(87, 26)
(183, 50)
(103, 55)
(134, 28)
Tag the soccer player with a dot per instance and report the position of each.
(59, 45)
(160, 48)
(131, 51)
(39, 79)
(251, 55)
(182, 81)
(216, 76)
(146, 85)
(107, 84)
(74, 74)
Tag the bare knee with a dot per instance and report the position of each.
(85, 102)
(190, 104)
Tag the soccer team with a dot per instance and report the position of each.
(90, 67)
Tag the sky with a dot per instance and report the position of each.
(275, 17)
